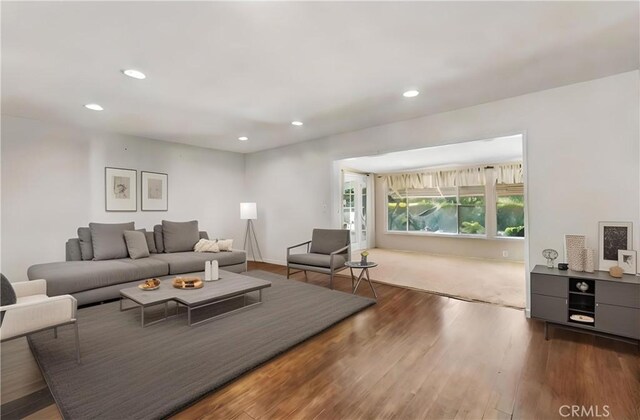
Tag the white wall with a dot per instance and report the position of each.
(464, 247)
(582, 148)
(53, 182)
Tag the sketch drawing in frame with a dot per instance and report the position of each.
(613, 236)
(120, 187)
(627, 260)
(155, 191)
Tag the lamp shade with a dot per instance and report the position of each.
(248, 211)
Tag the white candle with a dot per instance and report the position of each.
(214, 270)
(207, 271)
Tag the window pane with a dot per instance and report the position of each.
(433, 214)
(397, 213)
(510, 212)
(471, 214)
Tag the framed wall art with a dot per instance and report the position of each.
(155, 191)
(120, 189)
(614, 236)
(627, 261)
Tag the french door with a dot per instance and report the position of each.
(355, 203)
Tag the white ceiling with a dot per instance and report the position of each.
(219, 70)
(479, 152)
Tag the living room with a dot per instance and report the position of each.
(210, 114)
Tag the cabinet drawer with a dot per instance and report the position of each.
(549, 308)
(543, 284)
(618, 320)
(619, 294)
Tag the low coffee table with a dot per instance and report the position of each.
(230, 286)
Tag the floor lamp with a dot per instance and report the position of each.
(249, 212)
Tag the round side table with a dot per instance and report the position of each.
(364, 275)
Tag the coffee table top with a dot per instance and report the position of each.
(358, 264)
(230, 284)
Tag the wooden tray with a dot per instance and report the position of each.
(187, 283)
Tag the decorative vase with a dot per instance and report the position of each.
(575, 245)
(589, 260)
(363, 259)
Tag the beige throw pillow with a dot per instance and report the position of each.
(205, 245)
(225, 244)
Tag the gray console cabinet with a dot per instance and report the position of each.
(614, 304)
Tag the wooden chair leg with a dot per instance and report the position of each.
(55, 332)
(331, 281)
(288, 269)
(305, 276)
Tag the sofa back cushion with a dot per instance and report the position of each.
(326, 241)
(157, 235)
(180, 236)
(108, 240)
(86, 246)
(151, 241)
(136, 244)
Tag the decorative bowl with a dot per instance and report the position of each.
(151, 284)
(187, 283)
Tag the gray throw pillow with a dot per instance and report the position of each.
(151, 242)
(108, 240)
(157, 235)
(86, 247)
(180, 236)
(7, 294)
(136, 244)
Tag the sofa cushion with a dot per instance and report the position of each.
(187, 262)
(326, 241)
(86, 246)
(157, 235)
(180, 236)
(136, 244)
(72, 250)
(7, 294)
(76, 276)
(317, 260)
(151, 241)
(108, 240)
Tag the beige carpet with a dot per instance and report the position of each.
(498, 282)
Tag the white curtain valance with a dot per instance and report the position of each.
(509, 173)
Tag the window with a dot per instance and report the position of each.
(454, 210)
(510, 209)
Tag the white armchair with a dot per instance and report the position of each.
(34, 311)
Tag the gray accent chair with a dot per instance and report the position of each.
(327, 252)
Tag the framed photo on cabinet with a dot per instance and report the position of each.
(614, 236)
(155, 191)
(120, 189)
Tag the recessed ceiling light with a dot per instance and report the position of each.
(94, 107)
(411, 94)
(243, 138)
(296, 123)
(134, 73)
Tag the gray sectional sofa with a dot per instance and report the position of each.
(97, 263)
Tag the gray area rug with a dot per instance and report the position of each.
(142, 373)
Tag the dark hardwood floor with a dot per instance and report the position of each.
(413, 355)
